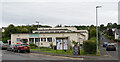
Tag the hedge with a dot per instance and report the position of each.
(89, 46)
(117, 40)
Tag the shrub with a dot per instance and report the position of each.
(117, 40)
(75, 43)
(89, 47)
(31, 45)
(51, 45)
(110, 37)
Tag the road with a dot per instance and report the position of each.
(105, 55)
(8, 55)
(113, 55)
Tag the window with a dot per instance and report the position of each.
(37, 39)
(49, 39)
(31, 40)
(43, 39)
(18, 40)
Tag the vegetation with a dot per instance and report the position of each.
(11, 29)
(90, 46)
(33, 46)
(117, 40)
(74, 43)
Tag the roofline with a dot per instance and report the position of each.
(49, 33)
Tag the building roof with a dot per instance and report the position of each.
(58, 30)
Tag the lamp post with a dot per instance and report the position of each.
(97, 27)
(38, 34)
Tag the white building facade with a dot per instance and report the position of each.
(57, 36)
(117, 34)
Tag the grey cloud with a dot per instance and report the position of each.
(53, 13)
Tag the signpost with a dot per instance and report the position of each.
(76, 50)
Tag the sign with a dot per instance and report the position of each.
(76, 50)
(65, 44)
(62, 44)
(59, 44)
(37, 43)
(34, 35)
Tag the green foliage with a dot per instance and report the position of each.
(117, 40)
(5, 39)
(109, 25)
(92, 32)
(110, 32)
(75, 43)
(51, 45)
(59, 25)
(33, 46)
(11, 29)
(0, 35)
(89, 46)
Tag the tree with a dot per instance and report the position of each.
(75, 43)
(89, 46)
(109, 25)
(110, 32)
(92, 32)
(10, 30)
(101, 27)
(114, 25)
(59, 25)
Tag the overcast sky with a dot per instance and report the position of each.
(53, 12)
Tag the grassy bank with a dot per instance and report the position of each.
(67, 52)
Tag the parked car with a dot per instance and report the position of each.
(105, 44)
(10, 47)
(21, 48)
(4, 46)
(111, 47)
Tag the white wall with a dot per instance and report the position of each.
(72, 36)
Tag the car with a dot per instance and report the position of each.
(4, 46)
(105, 44)
(21, 48)
(111, 47)
(10, 47)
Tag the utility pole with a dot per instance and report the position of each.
(38, 36)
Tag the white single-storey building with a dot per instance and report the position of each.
(57, 36)
(117, 34)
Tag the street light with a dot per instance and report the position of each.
(97, 27)
(38, 34)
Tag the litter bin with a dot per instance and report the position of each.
(55, 47)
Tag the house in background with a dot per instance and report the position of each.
(117, 34)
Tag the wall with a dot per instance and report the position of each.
(72, 36)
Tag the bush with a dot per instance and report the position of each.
(117, 40)
(110, 37)
(32, 45)
(89, 46)
(75, 43)
(51, 45)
